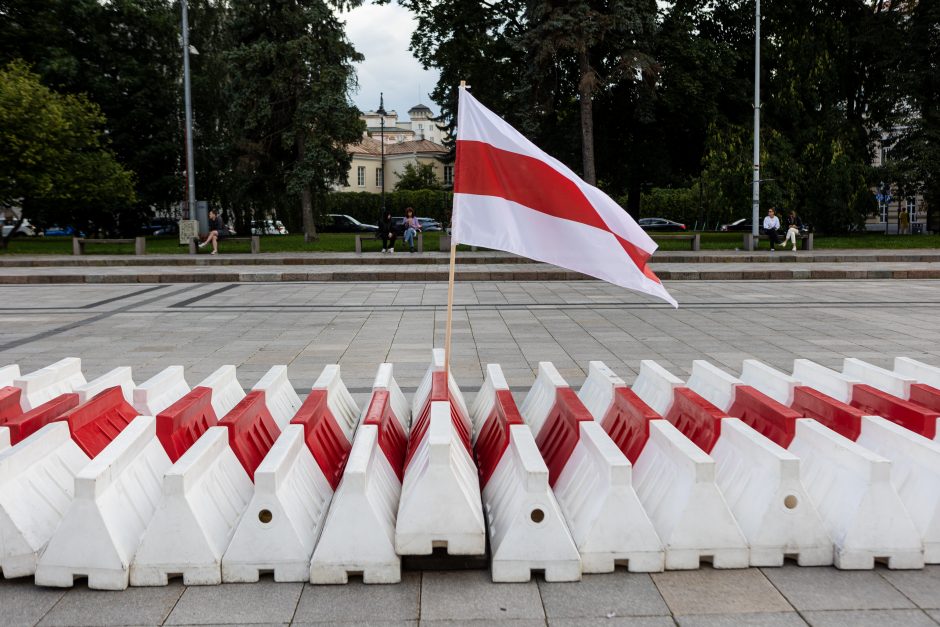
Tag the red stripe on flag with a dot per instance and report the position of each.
(484, 170)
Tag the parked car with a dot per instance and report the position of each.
(62, 231)
(268, 227)
(660, 224)
(161, 226)
(25, 229)
(342, 223)
(744, 224)
(430, 224)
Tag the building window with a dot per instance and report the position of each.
(361, 176)
(379, 177)
(448, 175)
(884, 211)
(912, 209)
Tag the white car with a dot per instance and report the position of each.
(268, 227)
(25, 229)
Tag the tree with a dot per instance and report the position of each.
(291, 72)
(56, 164)
(415, 177)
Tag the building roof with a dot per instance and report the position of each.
(419, 107)
(389, 129)
(370, 146)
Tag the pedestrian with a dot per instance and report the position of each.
(412, 228)
(387, 232)
(904, 222)
(771, 226)
(217, 231)
(794, 226)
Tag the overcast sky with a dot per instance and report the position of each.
(382, 34)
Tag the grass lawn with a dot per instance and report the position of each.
(345, 242)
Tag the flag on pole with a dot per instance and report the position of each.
(511, 196)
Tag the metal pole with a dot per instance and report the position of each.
(190, 168)
(756, 190)
(382, 137)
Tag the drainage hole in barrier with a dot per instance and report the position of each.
(789, 501)
(537, 515)
(265, 515)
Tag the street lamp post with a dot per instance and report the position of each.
(381, 113)
(188, 104)
(756, 181)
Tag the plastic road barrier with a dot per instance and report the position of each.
(887, 394)
(24, 425)
(226, 391)
(671, 464)
(119, 377)
(279, 395)
(358, 536)
(46, 383)
(8, 374)
(294, 485)
(115, 496)
(422, 394)
(160, 391)
(95, 423)
(203, 496)
(591, 478)
(926, 390)
(527, 529)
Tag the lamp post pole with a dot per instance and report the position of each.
(756, 181)
(187, 97)
(381, 113)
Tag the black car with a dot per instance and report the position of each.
(660, 224)
(161, 226)
(342, 223)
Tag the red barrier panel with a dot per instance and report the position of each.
(838, 416)
(909, 415)
(9, 404)
(325, 440)
(627, 422)
(419, 426)
(35, 419)
(183, 422)
(251, 430)
(96, 422)
(560, 432)
(772, 419)
(925, 396)
(391, 437)
(698, 419)
(493, 438)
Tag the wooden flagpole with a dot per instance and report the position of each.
(450, 284)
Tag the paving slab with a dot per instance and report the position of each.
(825, 588)
(871, 618)
(710, 591)
(22, 603)
(921, 587)
(471, 595)
(619, 621)
(134, 606)
(357, 601)
(605, 596)
(763, 619)
(253, 603)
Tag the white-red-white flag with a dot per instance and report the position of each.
(511, 196)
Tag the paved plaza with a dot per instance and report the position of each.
(358, 325)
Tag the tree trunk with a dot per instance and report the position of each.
(5, 241)
(585, 95)
(306, 200)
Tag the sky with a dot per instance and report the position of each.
(382, 34)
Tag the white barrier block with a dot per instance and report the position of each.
(115, 497)
(879, 378)
(852, 490)
(541, 396)
(915, 473)
(440, 498)
(527, 529)
(4, 438)
(656, 386)
(359, 533)
(160, 391)
(713, 384)
(119, 377)
(606, 520)
(597, 392)
(46, 383)
(918, 371)
(826, 380)
(675, 481)
(769, 381)
(37, 483)
(8, 374)
(279, 395)
(385, 380)
(284, 518)
(424, 388)
(761, 484)
(486, 399)
(339, 400)
(204, 494)
(226, 391)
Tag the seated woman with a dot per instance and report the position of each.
(217, 231)
(412, 227)
(387, 232)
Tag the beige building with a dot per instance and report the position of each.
(890, 202)
(418, 140)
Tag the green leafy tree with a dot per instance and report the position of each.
(56, 164)
(420, 176)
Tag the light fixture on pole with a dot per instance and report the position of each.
(755, 209)
(381, 113)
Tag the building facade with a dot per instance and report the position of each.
(892, 201)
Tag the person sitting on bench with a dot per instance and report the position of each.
(217, 231)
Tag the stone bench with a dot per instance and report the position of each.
(695, 238)
(751, 241)
(419, 240)
(445, 244)
(140, 244)
(254, 240)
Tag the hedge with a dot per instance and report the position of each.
(366, 206)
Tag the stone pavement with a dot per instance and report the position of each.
(358, 325)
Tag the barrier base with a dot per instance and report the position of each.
(371, 573)
(636, 562)
(690, 559)
(506, 571)
(251, 573)
(161, 575)
(865, 560)
(66, 576)
(773, 557)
